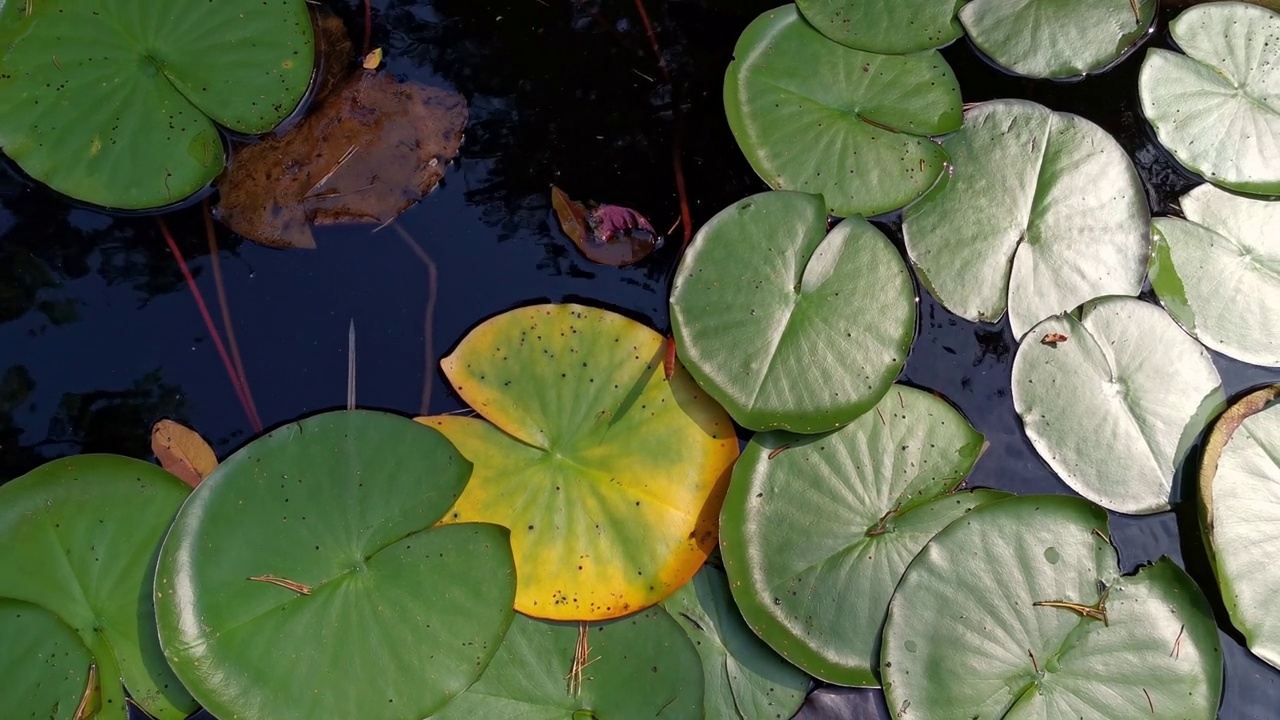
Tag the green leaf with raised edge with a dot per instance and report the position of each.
(745, 679)
(1240, 515)
(1042, 212)
(640, 666)
(1057, 38)
(304, 577)
(1217, 108)
(885, 26)
(816, 530)
(1218, 272)
(789, 326)
(815, 116)
(1112, 401)
(44, 669)
(80, 537)
(116, 103)
(608, 473)
(1018, 611)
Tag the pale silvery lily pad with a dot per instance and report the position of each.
(1218, 272)
(1217, 108)
(1112, 401)
(1056, 38)
(1042, 212)
(1240, 506)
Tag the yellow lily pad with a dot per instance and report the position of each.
(609, 475)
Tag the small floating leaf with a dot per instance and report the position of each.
(182, 451)
(1115, 410)
(607, 234)
(1217, 108)
(1240, 506)
(1218, 272)
(987, 623)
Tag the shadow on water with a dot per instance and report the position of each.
(100, 337)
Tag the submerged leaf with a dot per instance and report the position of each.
(182, 451)
(607, 234)
(366, 154)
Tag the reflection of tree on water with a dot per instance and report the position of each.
(110, 421)
(598, 121)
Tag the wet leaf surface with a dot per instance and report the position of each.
(607, 234)
(367, 153)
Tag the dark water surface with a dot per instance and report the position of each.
(99, 336)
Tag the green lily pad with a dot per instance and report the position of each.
(788, 325)
(609, 475)
(1056, 38)
(1218, 272)
(816, 530)
(640, 666)
(80, 537)
(885, 26)
(1043, 212)
(1217, 108)
(1240, 506)
(815, 116)
(116, 104)
(45, 665)
(745, 679)
(304, 577)
(1112, 401)
(1019, 611)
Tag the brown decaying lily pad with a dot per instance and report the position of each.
(364, 155)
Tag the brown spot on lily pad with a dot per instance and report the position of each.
(364, 155)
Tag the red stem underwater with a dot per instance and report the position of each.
(208, 319)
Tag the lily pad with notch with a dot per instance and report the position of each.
(744, 678)
(1240, 515)
(633, 667)
(1018, 610)
(305, 578)
(1057, 38)
(80, 537)
(1217, 108)
(1112, 401)
(815, 116)
(119, 104)
(787, 325)
(1218, 272)
(609, 475)
(817, 530)
(1043, 212)
(891, 27)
